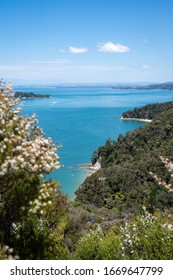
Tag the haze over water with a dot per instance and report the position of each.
(81, 119)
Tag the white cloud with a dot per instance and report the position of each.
(109, 47)
(77, 50)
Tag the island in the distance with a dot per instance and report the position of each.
(30, 95)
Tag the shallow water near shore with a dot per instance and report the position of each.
(82, 119)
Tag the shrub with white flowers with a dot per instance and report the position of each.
(147, 236)
(7, 253)
(23, 144)
(25, 157)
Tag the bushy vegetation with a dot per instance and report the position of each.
(146, 237)
(32, 209)
(125, 181)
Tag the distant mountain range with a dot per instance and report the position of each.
(113, 85)
(165, 86)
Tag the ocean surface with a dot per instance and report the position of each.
(81, 119)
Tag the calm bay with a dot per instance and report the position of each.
(81, 119)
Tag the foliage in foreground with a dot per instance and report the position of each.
(146, 237)
(32, 209)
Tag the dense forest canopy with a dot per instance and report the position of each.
(125, 181)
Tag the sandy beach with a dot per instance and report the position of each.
(135, 119)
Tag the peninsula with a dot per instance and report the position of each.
(147, 113)
(30, 95)
(133, 169)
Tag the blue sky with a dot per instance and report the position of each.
(82, 41)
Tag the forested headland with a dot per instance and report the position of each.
(125, 181)
(148, 112)
(30, 95)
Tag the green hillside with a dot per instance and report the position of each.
(129, 166)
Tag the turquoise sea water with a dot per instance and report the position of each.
(82, 119)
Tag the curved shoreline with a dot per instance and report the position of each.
(135, 119)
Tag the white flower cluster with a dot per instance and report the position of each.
(44, 199)
(7, 253)
(22, 143)
(128, 238)
(168, 226)
(161, 182)
(94, 235)
(168, 164)
(130, 232)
